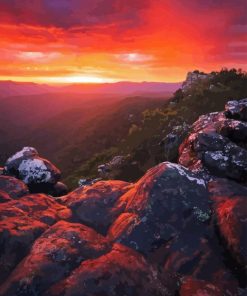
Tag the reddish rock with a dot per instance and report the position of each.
(53, 256)
(37, 206)
(195, 287)
(14, 187)
(232, 222)
(4, 196)
(17, 234)
(92, 205)
(121, 272)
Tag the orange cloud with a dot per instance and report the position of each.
(115, 40)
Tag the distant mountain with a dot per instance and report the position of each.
(125, 88)
(11, 88)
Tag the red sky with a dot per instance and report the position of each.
(56, 41)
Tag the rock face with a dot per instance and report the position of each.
(38, 173)
(179, 230)
(193, 77)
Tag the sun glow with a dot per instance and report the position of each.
(80, 79)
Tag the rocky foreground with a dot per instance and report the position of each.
(179, 230)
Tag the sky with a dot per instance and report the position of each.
(69, 41)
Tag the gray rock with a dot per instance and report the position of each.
(237, 109)
(166, 201)
(33, 170)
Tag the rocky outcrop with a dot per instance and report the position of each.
(217, 145)
(179, 230)
(38, 173)
(193, 77)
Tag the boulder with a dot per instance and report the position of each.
(236, 109)
(59, 189)
(121, 272)
(230, 208)
(53, 256)
(161, 206)
(109, 169)
(38, 206)
(192, 286)
(17, 233)
(4, 196)
(13, 187)
(92, 205)
(38, 173)
(21, 222)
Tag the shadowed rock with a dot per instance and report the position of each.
(14, 187)
(92, 205)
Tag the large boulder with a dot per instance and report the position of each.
(217, 144)
(38, 173)
(92, 205)
(121, 272)
(53, 256)
(13, 187)
(164, 203)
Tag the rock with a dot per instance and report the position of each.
(230, 208)
(17, 233)
(237, 109)
(21, 222)
(192, 286)
(14, 187)
(235, 130)
(173, 140)
(121, 272)
(162, 204)
(38, 173)
(193, 77)
(59, 189)
(53, 256)
(88, 182)
(217, 146)
(105, 170)
(232, 223)
(4, 196)
(92, 205)
(38, 206)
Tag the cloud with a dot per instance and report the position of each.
(130, 39)
(72, 13)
